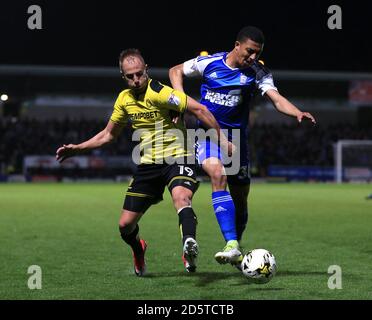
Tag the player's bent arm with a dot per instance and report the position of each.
(176, 77)
(107, 135)
(286, 107)
(204, 115)
(282, 104)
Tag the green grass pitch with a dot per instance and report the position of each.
(71, 232)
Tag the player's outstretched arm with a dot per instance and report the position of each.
(286, 107)
(107, 135)
(176, 77)
(204, 115)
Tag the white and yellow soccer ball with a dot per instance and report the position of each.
(259, 266)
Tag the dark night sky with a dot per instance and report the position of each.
(93, 33)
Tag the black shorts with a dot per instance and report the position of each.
(149, 181)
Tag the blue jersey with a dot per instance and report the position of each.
(227, 91)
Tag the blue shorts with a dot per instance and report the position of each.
(205, 149)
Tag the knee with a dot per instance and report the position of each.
(126, 229)
(181, 199)
(218, 178)
(126, 225)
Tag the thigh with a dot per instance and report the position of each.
(209, 157)
(206, 149)
(146, 188)
(129, 217)
(181, 175)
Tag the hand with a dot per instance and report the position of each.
(66, 151)
(306, 115)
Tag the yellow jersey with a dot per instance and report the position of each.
(150, 114)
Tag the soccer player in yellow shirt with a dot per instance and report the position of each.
(150, 107)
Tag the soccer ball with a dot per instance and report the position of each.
(259, 266)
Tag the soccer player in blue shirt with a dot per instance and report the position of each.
(229, 80)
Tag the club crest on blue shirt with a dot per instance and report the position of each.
(243, 79)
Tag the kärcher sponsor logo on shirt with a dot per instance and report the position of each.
(223, 99)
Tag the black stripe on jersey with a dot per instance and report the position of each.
(156, 86)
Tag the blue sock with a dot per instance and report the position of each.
(224, 209)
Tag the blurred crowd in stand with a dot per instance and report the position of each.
(271, 144)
